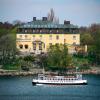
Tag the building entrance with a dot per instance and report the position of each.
(38, 47)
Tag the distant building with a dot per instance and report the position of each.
(36, 36)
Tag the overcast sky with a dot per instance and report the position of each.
(79, 12)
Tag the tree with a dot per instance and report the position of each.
(91, 37)
(29, 58)
(17, 22)
(43, 60)
(5, 28)
(7, 49)
(58, 57)
(86, 39)
(97, 46)
(51, 17)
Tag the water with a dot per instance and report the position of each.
(21, 88)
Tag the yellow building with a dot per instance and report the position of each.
(36, 36)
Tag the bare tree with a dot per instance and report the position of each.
(51, 15)
(56, 20)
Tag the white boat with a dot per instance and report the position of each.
(59, 80)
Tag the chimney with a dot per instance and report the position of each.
(44, 18)
(34, 18)
(66, 22)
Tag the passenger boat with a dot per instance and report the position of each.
(59, 80)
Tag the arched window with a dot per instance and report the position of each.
(20, 36)
(26, 46)
(21, 46)
(25, 36)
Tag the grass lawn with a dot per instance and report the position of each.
(11, 67)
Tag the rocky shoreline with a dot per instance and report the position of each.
(36, 71)
(19, 73)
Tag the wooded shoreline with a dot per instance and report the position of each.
(36, 71)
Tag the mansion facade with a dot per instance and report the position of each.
(37, 36)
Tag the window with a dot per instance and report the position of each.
(21, 46)
(37, 30)
(20, 36)
(57, 31)
(50, 37)
(26, 46)
(74, 37)
(40, 36)
(25, 36)
(34, 46)
(57, 37)
(50, 31)
(33, 31)
(25, 31)
(40, 31)
(40, 46)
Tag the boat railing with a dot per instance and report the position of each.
(44, 77)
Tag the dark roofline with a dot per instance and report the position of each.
(46, 24)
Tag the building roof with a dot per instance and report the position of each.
(46, 24)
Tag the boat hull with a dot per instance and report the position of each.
(84, 82)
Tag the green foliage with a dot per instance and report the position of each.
(86, 38)
(91, 37)
(43, 60)
(5, 28)
(58, 57)
(10, 67)
(29, 58)
(81, 63)
(84, 67)
(94, 50)
(22, 63)
(27, 64)
(7, 49)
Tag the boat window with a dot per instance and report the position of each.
(41, 78)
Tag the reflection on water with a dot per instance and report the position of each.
(21, 88)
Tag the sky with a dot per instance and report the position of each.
(79, 12)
